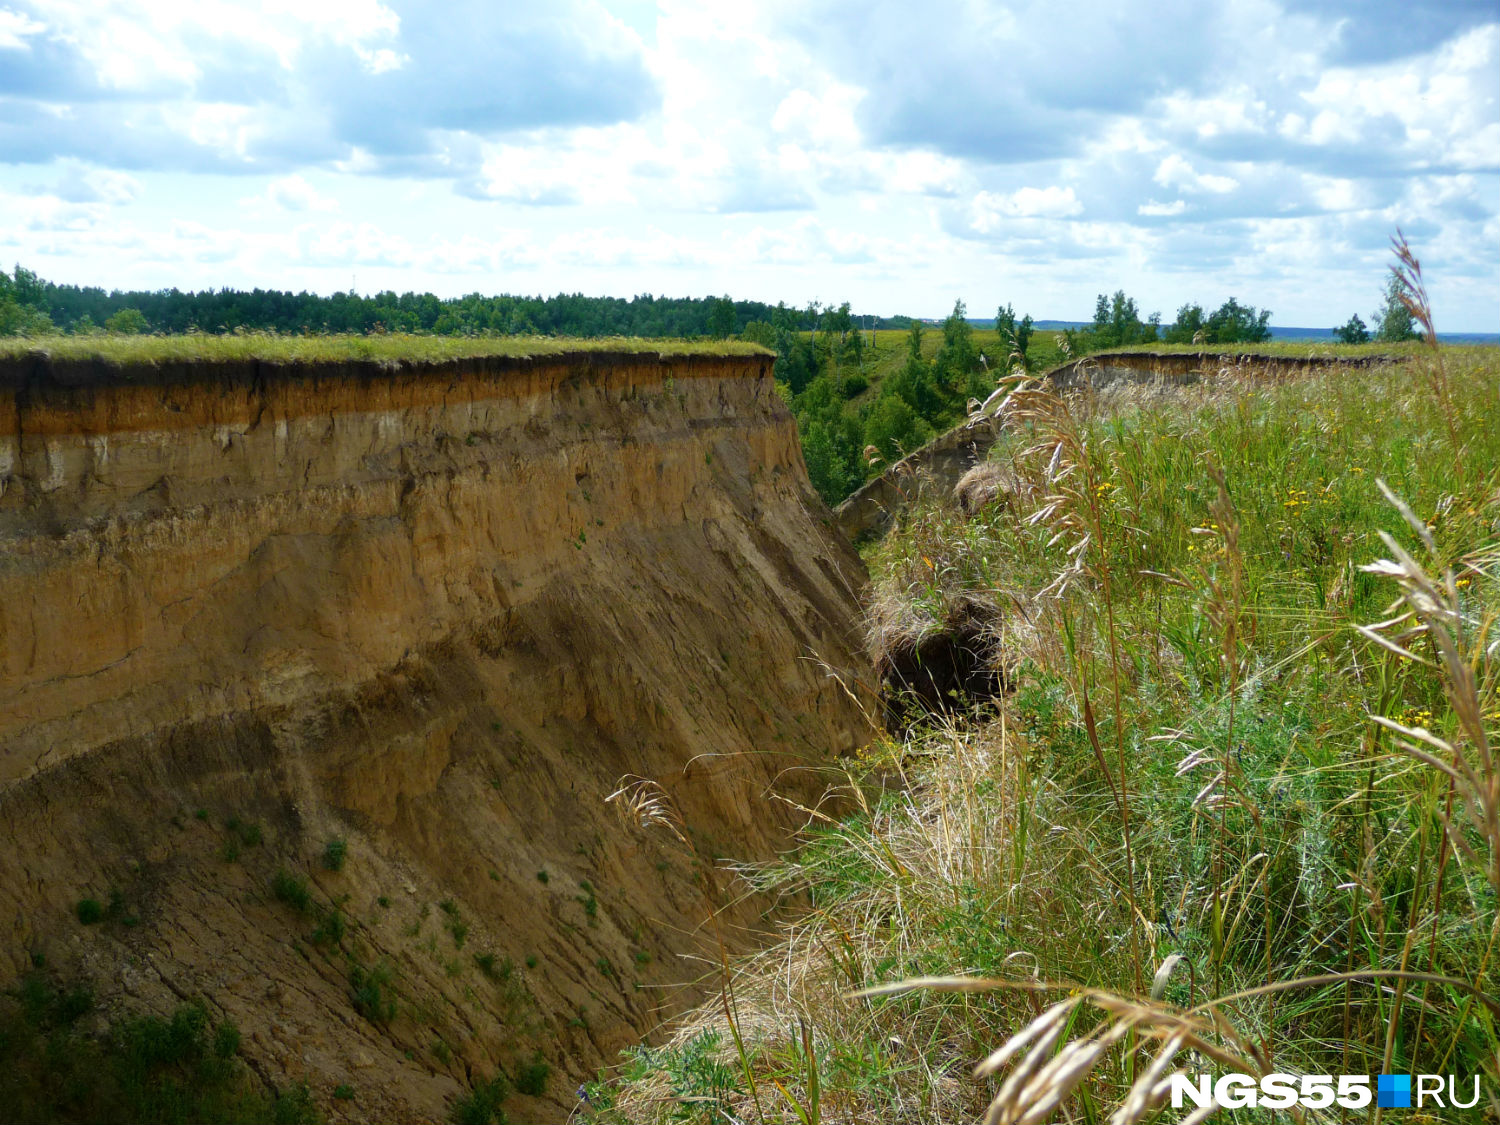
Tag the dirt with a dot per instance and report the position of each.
(435, 614)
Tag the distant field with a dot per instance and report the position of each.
(392, 348)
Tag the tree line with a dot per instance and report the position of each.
(32, 306)
(851, 431)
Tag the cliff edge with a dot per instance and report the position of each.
(390, 632)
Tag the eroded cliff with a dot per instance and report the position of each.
(433, 612)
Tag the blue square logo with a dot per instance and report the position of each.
(1393, 1091)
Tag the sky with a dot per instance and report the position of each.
(898, 156)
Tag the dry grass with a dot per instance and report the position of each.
(987, 483)
(1238, 813)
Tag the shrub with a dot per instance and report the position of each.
(291, 889)
(90, 911)
(334, 853)
(531, 1079)
(226, 1040)
(373, 992)
(331, 928)
(482, 1106)
(143, 1068)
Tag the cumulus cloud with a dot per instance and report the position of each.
(241, 87)
(16, 30)
(990, 209)
(1175, 172)
(294, 193)
(81, 184)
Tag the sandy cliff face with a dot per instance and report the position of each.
(435, 612)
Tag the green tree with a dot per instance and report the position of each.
(916, 383)
(1354, 332)
(759, 332)
(1393, 319)
(23, 310)
(1117, 323)
(957, 356)
(1230, 323)
(1234, 323)
(1015, 337)
(1185, 329)
(130, 322)
(894, 428)
(721, 318)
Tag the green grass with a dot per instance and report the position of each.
(1185, 764)
(481, 1106)
(389, 348)
(292, 890)
(1290, 349)
(183, 1069)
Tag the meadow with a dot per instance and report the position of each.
(392, 347)
(1235, 810)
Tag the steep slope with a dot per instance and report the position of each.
(433, 612)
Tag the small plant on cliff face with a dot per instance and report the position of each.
(588, 901)
(90, 911)
(334, 853)
(373, 992)
(291, 889)
(531, 1079)
(331, 928)
(482, 1107)
(246, 832)
(344, 1092)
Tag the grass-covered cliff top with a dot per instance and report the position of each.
(128, 350)
(1281, 349)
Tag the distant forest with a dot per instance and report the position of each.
(30, 305)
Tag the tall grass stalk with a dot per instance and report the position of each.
(1313, 860)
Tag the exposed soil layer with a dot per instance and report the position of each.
(942, 672)
(432, 612)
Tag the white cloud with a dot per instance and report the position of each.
(1152, 208)
(990, 209)
(16, 30)
(1175, 172)
(294, 193)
